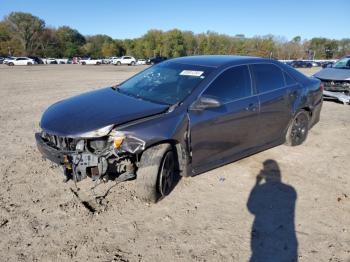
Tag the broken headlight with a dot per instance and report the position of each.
(126, 142)
(97, 133)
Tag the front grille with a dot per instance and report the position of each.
(59, 142)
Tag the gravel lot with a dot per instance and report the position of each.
(205, 218)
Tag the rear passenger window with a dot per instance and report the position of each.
(289, 80)
(267, 77)
(234, 83)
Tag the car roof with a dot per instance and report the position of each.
(216, 60)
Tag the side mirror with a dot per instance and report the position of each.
(205, 102)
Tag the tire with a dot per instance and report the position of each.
(11, 64)
(154, 180)
(83, 63)
(29, 63)
(132, 63)
(119, 63)
(98, 63)
(298, 129)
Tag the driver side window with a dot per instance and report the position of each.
(232, 84)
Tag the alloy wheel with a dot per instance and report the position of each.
(167, 174)
(299, 129)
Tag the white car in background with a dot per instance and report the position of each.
(20, 61)
(141, 61)
(124, 60)
(62, 60)
(7, 59)
(89, 61)
(106, 60)
(49, 61)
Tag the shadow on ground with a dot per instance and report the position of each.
(272, 202)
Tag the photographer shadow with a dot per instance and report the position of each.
(272, 202)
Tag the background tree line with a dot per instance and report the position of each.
(25, 34)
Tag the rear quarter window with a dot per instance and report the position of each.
(267, 77)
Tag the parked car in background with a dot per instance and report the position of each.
(2, 59)
(336, 80)
(50, 61)
(62, 60)
(5, 61)
(183, 116)
(141, 61)
(325, 64)
(20, 61)
(155, 60)
(106, 60)
(90, 61)
(300, 64)
(125, 60)
(37, 60)
(314, 63)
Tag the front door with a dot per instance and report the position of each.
(219, 133)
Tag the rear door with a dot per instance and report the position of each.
(275, 111)
(218, 133)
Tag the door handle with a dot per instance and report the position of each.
(251, 107)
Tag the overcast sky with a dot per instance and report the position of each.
(132, 18)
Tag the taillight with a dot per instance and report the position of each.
(321, 87)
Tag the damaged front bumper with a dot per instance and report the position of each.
(94, 158)
(345, 99)
(338, 90)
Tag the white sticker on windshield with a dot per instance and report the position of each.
(191, 73)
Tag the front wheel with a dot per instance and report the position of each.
(298, 129)
(156, 174)
(11, 64)
(118, 63)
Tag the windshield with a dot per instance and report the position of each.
(165, 83)
(343, 63)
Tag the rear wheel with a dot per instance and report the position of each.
(298, 129)
(83, 63)
(118, 63)
(11, 64)
(29, 63)
(132, 63)
(156, 173)
(98, 63)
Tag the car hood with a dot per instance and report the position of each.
(94, 110)
(333, 74)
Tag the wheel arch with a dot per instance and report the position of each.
(180, 153)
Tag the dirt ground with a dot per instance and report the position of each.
(209, 217)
